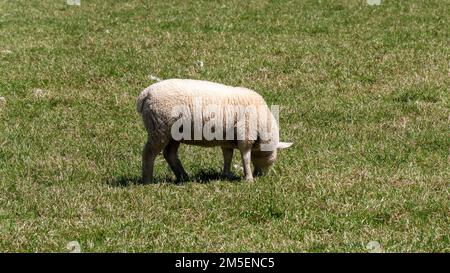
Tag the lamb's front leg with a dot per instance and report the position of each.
(246, 153)
(227, 158)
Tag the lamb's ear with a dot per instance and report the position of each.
(284, 145)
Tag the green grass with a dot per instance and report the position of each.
(363, 90)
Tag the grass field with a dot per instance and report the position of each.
(363, 91)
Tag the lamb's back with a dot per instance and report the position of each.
(174, 92)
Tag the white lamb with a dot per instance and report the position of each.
(175, 107)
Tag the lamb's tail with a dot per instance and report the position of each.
(141, 100)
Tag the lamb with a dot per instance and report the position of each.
(198, 113)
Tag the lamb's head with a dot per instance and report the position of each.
(263, 159)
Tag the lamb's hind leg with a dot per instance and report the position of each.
(227, 158)
(171, 155)
(148, 161)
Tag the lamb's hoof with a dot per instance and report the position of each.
(229, 176)
(143, 181)
(182, 179)
(249, 179)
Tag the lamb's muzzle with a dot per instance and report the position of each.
(207, 114)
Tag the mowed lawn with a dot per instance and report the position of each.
(363, 93)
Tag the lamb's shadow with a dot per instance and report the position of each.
(125, 181)
(202, 177)
(210, 175)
